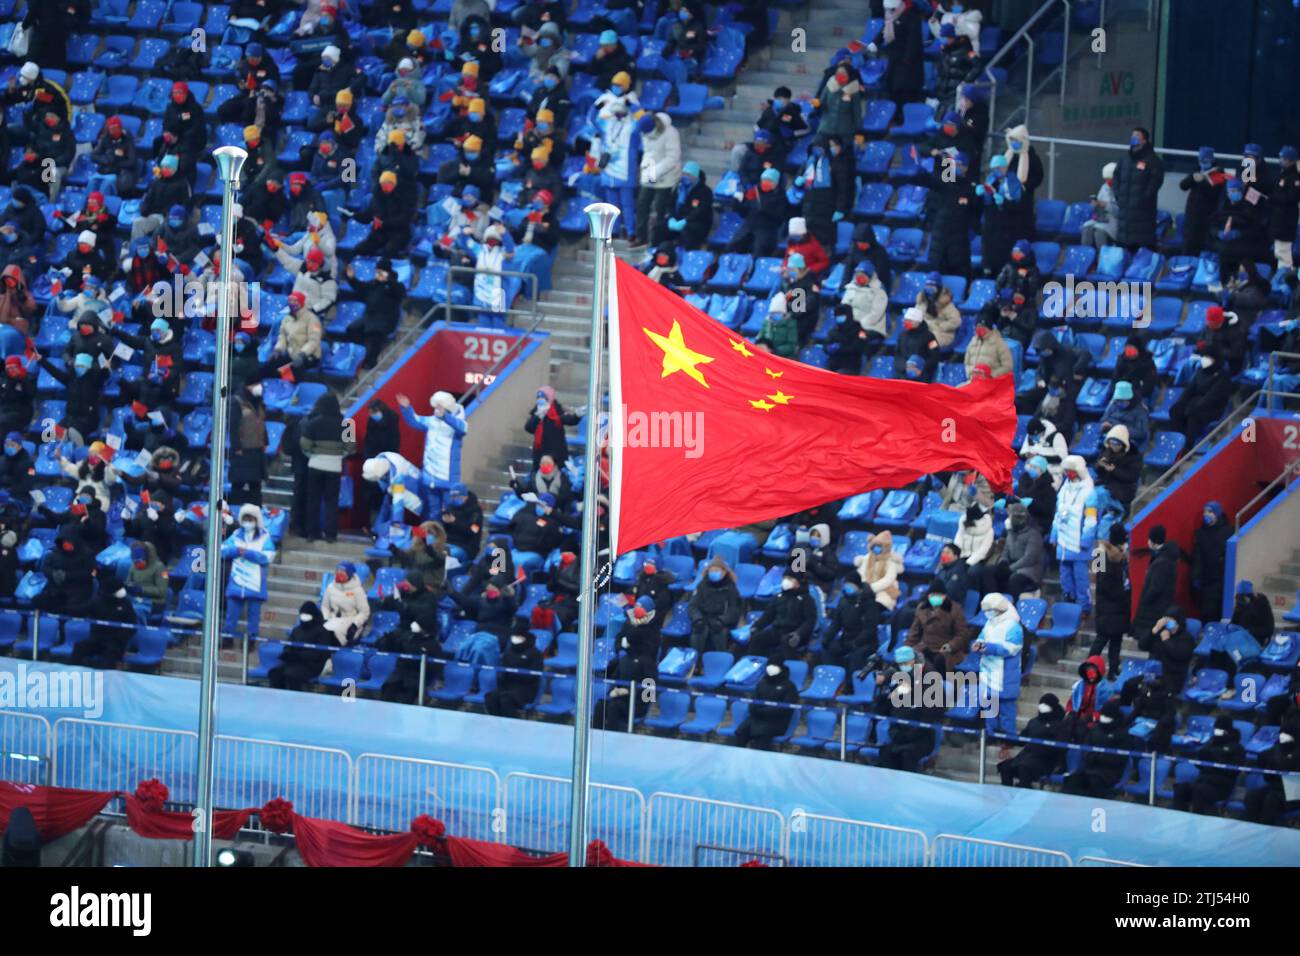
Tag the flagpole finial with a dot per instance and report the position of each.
(601, 216)
(230, 162)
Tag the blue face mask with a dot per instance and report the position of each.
(175, 223)
(1208, 519)
(877, 549)
(457, 502)
(778, 104)
(475, 117)
(156, 335)
(470, 156)
(616, 90)
(540, 510)
(839, 320)
(1206, 167)
(1054, 392)
(1135, 142)
(239, 347)
(544, 42)
(376, 416)
(683, 14)
(12, 450)
(850, 590)
(475, 32)
(715, 575)
(80, 370)
(550, 82)
(542, 406)
(543, 128)
(936, 600)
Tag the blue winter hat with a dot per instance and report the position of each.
(140, 248)
(1216, 508)
(1252, 149)
(952, 116)
(1123, 391)
(547, 499)
(253, 49)
(171, 162)
(176, 212)
(348, 568)
(691, 168)
(470, 192)
(904, 655)
(159, 325)
(1039, 463)
(1287, 153)
(867, 266)
(608, 37)
(1235, 185)
(1006, 295)
(795, 260)
(771, 175)
(14, 437)
(459, 490)
(934, 279)
(1205, 154)
(1245, 587)
(243, 338)
(1022, 246)
(646, 123)
(971, 92)
(138, 553)
(915, 361)
(947, 30)
(762, 136)
(91, 281)
(998, 162)
(645, 602)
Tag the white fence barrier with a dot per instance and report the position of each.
(832, 841)
(97, 755)
(725, 832)
(390, 792)
(951, 850)
(537, 815)
(25, 741)
(316, 780)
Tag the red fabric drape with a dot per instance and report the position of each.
(327, 843)
(175, 825)
(56, 810)
(465, 852)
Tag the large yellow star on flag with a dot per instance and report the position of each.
(677, 356)
(781, 398)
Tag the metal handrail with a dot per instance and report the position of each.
(1284, 478)
(1008, 45)
(535, 319)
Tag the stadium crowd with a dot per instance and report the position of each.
(863, 229)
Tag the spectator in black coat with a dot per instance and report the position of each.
(1204, 189)
(1267, 803)
(954, 572)
(537, 530)
(908, 744)
(1238, 230)
(462, 519)
(1099, 772)
(1036, 761)
(953, 214)
(1170, 643)
(492, 611)
(1284, 208)
(1151, 701)
(1119, 466)
(392, 209)
(1037, 492)
(767, 719)
(851, 636)
(1212, 784)
(714, 608)
(546, 422)
(1204, 400)
(629, 671)
(516, 691)
(83, 390)
(691, 217)
(1158, 584)
(903, 43)
(1114, 598)
(383, 310)
(765, 210)
(1138, 176)
(1136, 366)
(916, 356)
(416, 600)
(70, 574)
(1210, 561)
(1252, 610)
(865, 246)
(783, 119)
(829, 181)
(300, 666)
(17, 396)
(786, 624)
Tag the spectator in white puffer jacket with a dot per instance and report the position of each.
(868, 299)
(661, 171)
(345, 606)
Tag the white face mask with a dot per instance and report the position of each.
(626, 645)
(517, 640)
(773, 670)
(1044, 708)
(120, 593)
(1219, 731)
(1206, 361)
(255, 391)
(787, 584)
(1106, 720)
(304, 618)
(415, 627)
(250, 525)
(1284, 738)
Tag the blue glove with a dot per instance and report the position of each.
(1000, 504)
(998, 198)
(676, 225)
(1287, 326)
(1026, 501)
(837, 216)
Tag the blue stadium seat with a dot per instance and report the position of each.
(674, 706)
(1065, 622)
(709, 712)
(1165, 449)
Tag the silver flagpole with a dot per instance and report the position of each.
(601, 216)
(230, 161)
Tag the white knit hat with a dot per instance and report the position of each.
(330, 53)
(1108, 171)
(444, 400)
(778, 303)
(372, 469)
(405, 65)
(798, 226)
(86, 238)
(29, 73)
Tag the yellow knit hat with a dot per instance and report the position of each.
(540, 154)
(478, 105)
(397, 137)
(251, 133)
(472, 144)
(415, 38)
(342, 97)
(387, 176)
(622, 77)
(470, 68)
(545, 116)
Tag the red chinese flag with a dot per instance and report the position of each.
(709, 431)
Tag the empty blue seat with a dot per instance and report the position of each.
(563, 698)
(674, 705)
(1049, 216)
(826, 682)
(457, 677)
(1165, 449)
(732, 269)
(714, 666)
(1065, 622)
(709, 711)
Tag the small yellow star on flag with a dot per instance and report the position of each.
(739, 346)
(765, 406)
(773, 374)
(677, 356)
(781, 398)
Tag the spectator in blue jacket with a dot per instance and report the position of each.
(1128, 410)
(250, 550)
(999, 645)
